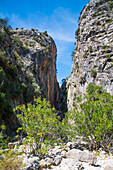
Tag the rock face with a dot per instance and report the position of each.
(27, 69)
(93, 55)
(39, 57)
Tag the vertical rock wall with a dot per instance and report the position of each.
(39, 58)
(93, 55)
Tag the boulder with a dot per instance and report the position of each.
(57, 160)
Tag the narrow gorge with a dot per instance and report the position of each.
(43, 126)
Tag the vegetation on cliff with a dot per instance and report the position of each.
(94, 118)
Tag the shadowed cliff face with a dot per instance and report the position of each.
(93, 55)
(27, 69)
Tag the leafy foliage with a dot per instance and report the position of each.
(94, 120)
(111, 5)
(41, 124)
(3, 140)
(93, 73)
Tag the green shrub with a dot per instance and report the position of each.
(99, 3)
(93, 73)
(2, 75)
(26, 43)
(78, 38)
(77, 32)
(76, 65)
(3, 141)
(88, 7)
(105, 47)
(108, 20)
(111, 4)
(41, 124)
(94, 15)
(32, 29)
(85, 55)
(82, 29)
(45, 33)
(84, 16)
(108, 55)
(90, 49)
(35, 38)
(94, 120)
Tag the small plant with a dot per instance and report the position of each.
(90, 49)
(32, 44)
(46, 50)
(93, 73)
(3, 141)
(84, 16)
(16, 55)
(69, 84)
(105, 47)
(108, 20)
(99, 3)
(94, 15)
(78, 38)
(76, 65)
(32, 29)
(111, 5)
(97, 23)
(35, 38)
(88, 7)
(45, 33)
(82, 29)
(85, 55)
(26, 44)
(108, 55)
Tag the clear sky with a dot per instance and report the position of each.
(59, 18)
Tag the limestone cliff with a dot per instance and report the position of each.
(39, 58)
(93, 55)
(27, 69)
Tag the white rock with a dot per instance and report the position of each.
(63, 154)
(57, 160)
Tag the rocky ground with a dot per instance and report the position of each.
(71, 156)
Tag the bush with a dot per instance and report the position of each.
(90, 49)
(32, 29)
(2, 75)
(45, 33)
(41, 124)
(94, 120)
(108, 20)
(99, 3)
(3, 141)
(105, 47)
(111, 4)
(93, 73)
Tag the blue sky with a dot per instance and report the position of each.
(59, 18)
